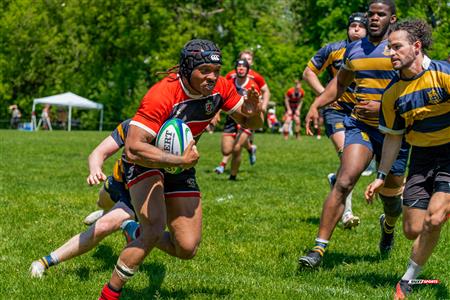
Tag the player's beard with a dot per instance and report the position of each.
(406, 62)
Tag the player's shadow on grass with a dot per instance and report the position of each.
(107, 257)
(156, 273)
(374, 279)
(333, 259)
(311, 220)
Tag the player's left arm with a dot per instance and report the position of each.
(139, 150)
(250, 113)
(265, 91)
(299, 108)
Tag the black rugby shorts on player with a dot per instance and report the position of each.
(429, 172)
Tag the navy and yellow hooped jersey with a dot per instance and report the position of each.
(119, 135)
(330, 58)
(419, 107)
(373, 72)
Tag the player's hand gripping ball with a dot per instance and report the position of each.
(174, 137)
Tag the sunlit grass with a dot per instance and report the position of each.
(254, 229)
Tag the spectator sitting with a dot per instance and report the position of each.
(272, 120)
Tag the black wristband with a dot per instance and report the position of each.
(381, 175)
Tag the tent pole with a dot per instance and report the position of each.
(101, 120)
(69, 126)
(33, 117)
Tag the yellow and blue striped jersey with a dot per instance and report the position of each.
(373, 72)
(119, 135)
(330, 58)
(419, 107)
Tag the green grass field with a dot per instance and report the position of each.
(254, 229)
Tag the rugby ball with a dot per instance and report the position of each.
(173, 137)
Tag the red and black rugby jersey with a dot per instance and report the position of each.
(169, 98)
(252, 75)
(293, 97)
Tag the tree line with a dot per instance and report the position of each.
(110, 50)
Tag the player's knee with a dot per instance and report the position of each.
(102, 228)
(344, 184)
(411, 230)
(392, 205)
(227, 150)
(150, 235)
(187, 249)
(237, 149)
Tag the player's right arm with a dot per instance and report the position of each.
(393, 125)
(391, 148)
(313, 81)
(287, 105)
(139, 150)
(334, 90)
(97, 157)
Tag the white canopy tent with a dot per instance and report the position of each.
(70, 100)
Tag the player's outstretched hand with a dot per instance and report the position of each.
(95, 177)
(252, 105)
(372, 189)
(190, 156)
(312, 117)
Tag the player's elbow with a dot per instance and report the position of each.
(307, 74)
(131, 152)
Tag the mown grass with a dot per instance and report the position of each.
(254, 229)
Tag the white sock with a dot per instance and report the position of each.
(55, 258)
(413, 271)
(348, 205)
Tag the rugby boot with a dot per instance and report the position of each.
(402, 290)
(311, 260)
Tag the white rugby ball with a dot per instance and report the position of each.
(173, 137)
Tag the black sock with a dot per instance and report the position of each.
(388, 228)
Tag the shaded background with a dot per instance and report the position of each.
(109, 50)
